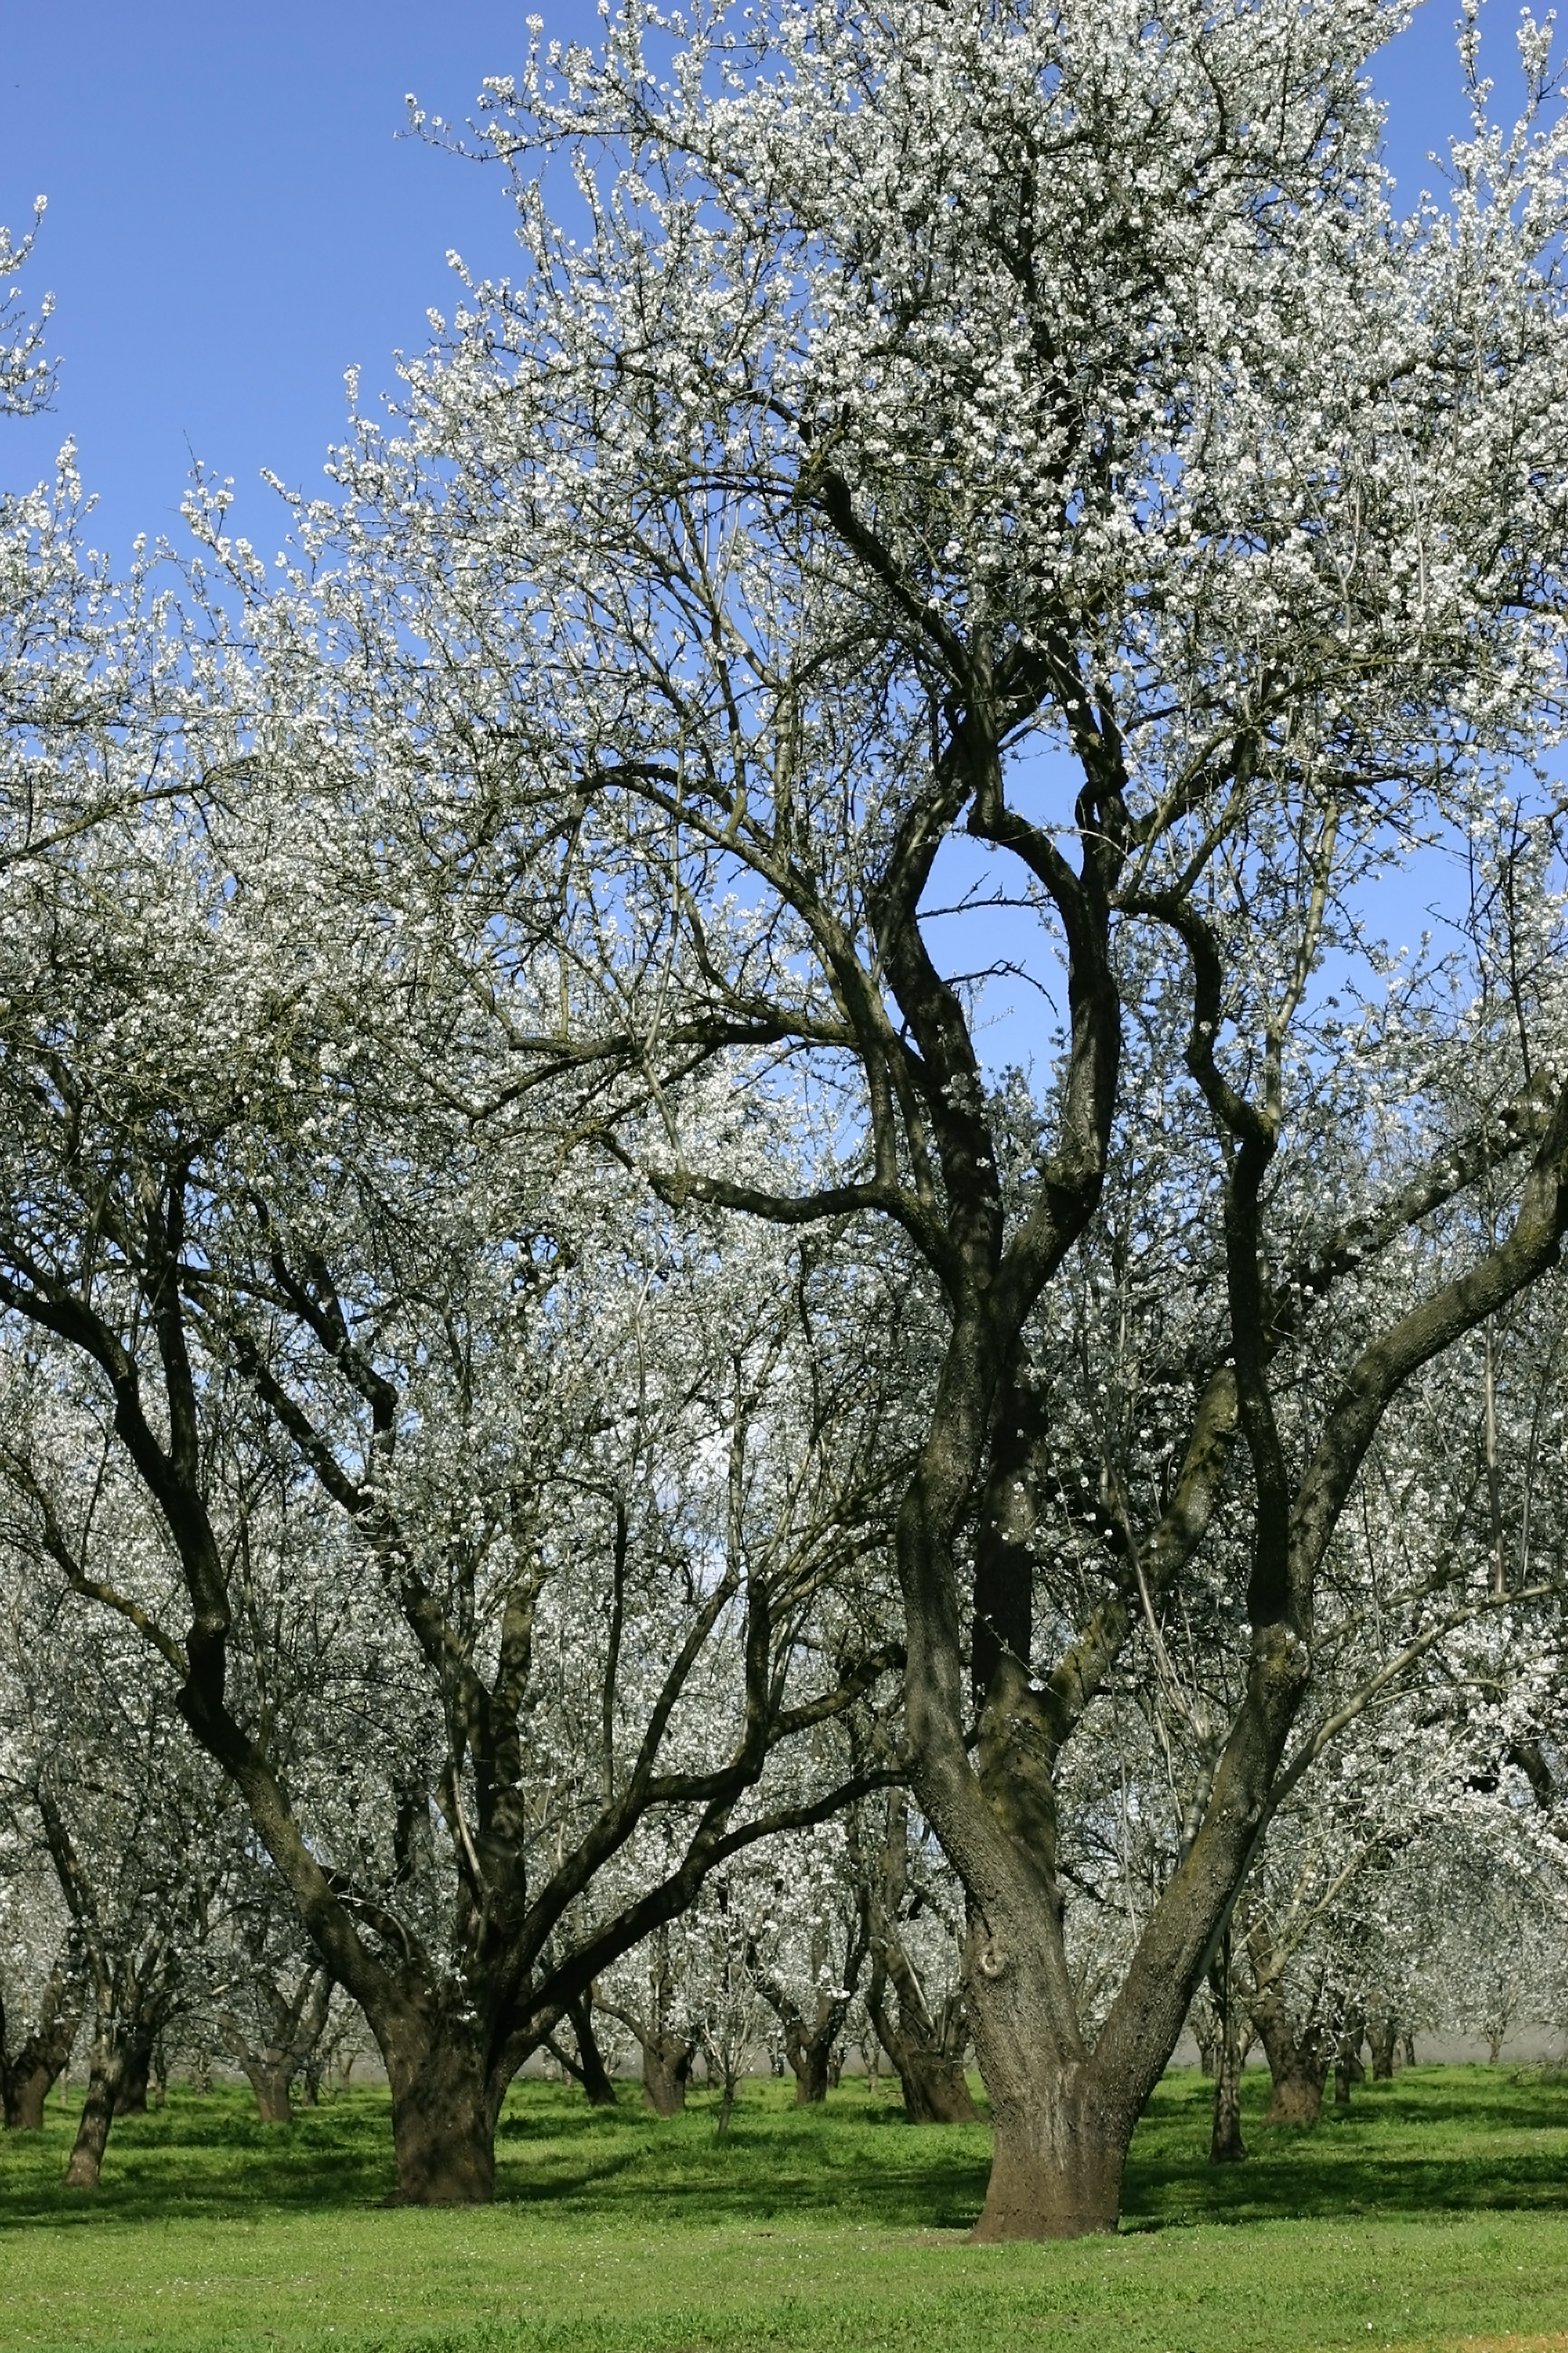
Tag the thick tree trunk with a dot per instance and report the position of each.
(936, 2091)
(1298, 2064)
(666, 2067)
(270, 2084)
(25, 2097)
(1058, 2153)
(811, 2060)
(443, 2120)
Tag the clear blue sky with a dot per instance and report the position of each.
(232, 219)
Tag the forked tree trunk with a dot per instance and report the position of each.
(443, 2119)
(1299, 2063)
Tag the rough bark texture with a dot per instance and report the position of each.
(98, 2112)
(443, 2120)
(666, 2069)
(1298, 2061)
(1382, 2036)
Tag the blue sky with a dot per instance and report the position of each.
(232, 219)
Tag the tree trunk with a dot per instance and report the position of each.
(1383, 2034)
(25, 2097)
(1298, 2064)
(595, 2075)
(270, 2084)
(1058, 2152)
(810, 2058)
(443, 2120)
(98, 2114)
(666, 2066)
(936, 2089)
(131, 2100)
(25, 2080)
(1409, 2042)
(1225, 2144)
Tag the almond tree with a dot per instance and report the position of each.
(1018, 445)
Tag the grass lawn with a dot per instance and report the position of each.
(1435, 2214)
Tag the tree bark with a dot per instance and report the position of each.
(98, 2112)
(1299, 2063)
(1383, 2035)
(25, 2079)
(444, 2111)
(131, 2100)
(1225, 2144)
(666, 2068)
(594, 2076)
(270, 2085)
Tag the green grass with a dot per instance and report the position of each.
(1435, 2214)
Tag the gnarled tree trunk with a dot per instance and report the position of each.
(1299, 2063)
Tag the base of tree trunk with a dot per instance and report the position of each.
(1297, 2099)
(92, 2133)
(24, 2100)
(811, 2073)
(1066, 2186)
(443, 2129)
(936, 2091)
(271, 2090)
(665, 2070)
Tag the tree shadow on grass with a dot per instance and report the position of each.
(1444, 2140)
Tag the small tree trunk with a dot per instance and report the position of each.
(1383, 2035)
(1494, 2049)
(666, 2066)
(1225, 2144)
(595, 2075)
(1409, 2042)
(443, 2120)
(96, 2115)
